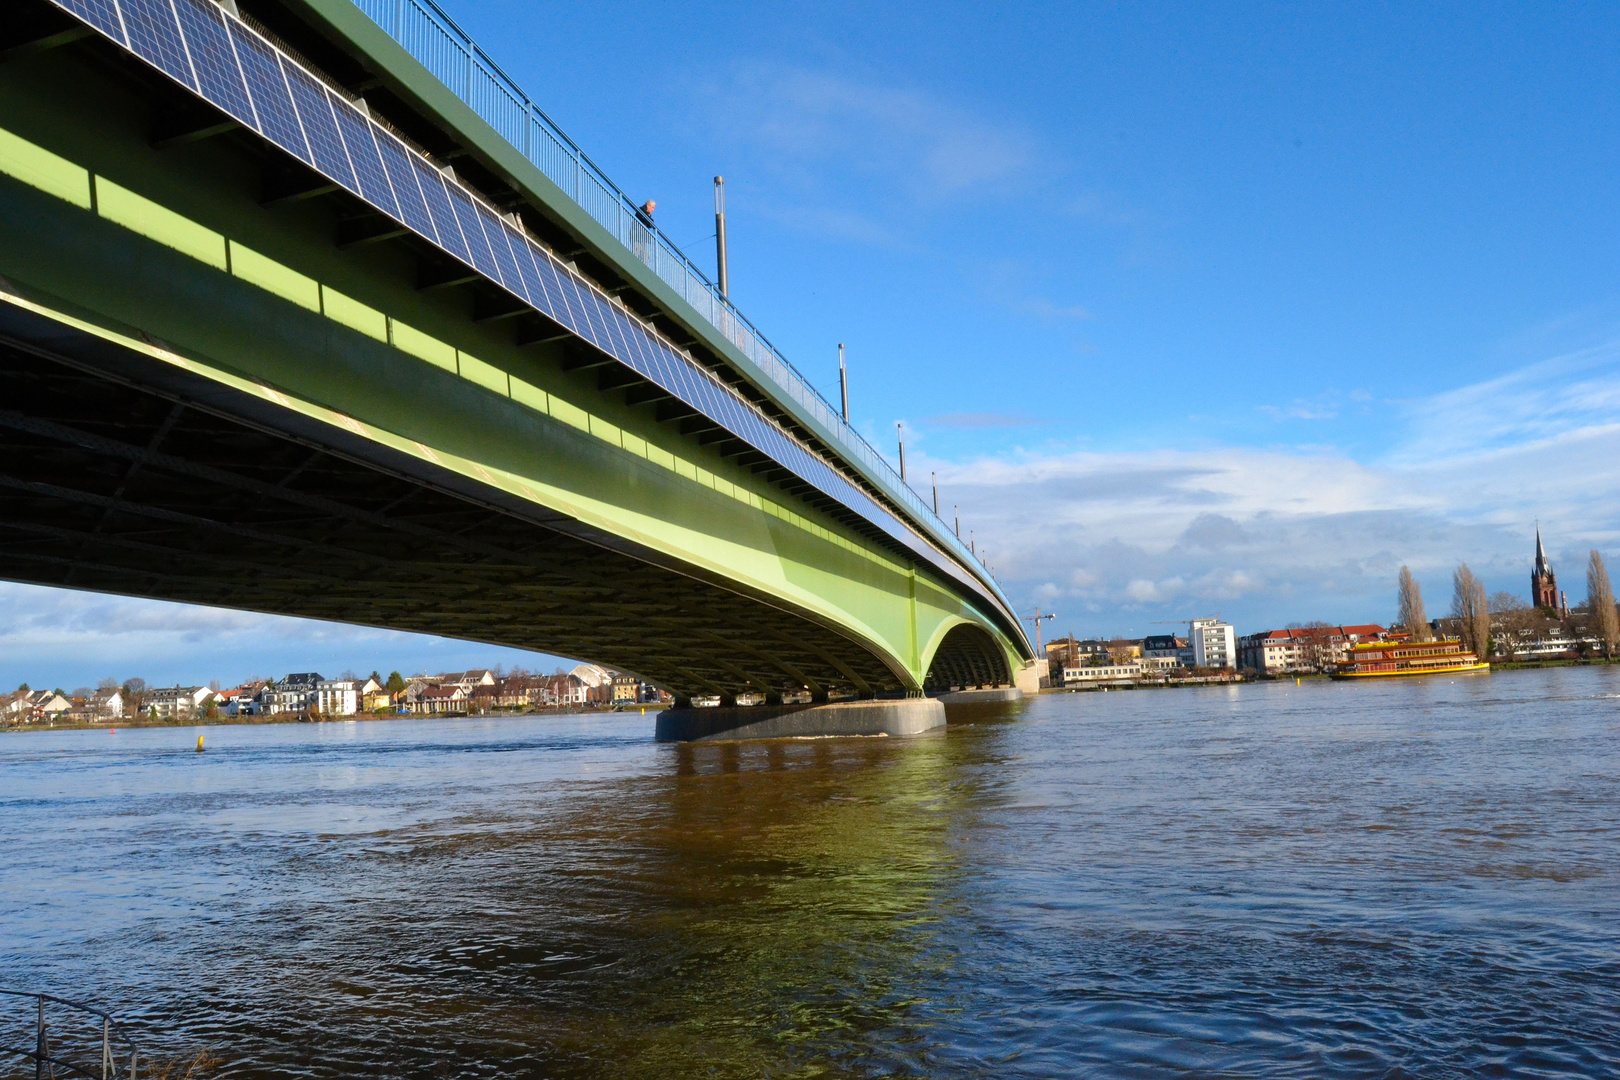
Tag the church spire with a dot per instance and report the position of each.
(1543, 585)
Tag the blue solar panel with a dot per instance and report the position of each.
(154, 35)
(397, 161)
(362, 145)
(564, 296)
(582, 303)
(579, 307)
(535, 276)
(477, 246)
(601, 313)
(608, 314)
(438, 204)
(646, 346)
(268, 88)
(620, 325)
(210, 49)
(316, 113)
(101, 14)
(497, 232)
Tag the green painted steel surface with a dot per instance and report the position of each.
(170, 253)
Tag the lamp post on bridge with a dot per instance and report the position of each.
(900, 425)
(843, 381)
(934, 476)
(720, 233)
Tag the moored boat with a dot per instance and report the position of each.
(1398, 658)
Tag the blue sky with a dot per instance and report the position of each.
(1192, 309)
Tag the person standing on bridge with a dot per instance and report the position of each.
(641, 231)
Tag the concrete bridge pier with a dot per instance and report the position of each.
(991, 695)
(871, 716)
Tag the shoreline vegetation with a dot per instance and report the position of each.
(223, 720)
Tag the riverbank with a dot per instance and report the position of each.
(1258, 677)
(288, 718)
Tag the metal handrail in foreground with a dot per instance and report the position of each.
(46, 1062)
(432, 37)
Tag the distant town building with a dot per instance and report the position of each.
(178, 702)
(294, 694)
(467, 680)
(1301, 648)
(374, 696)
(1161, 646)
(598, 683)
(627, 689)
(107, 703)
(1214, 643)
(47, 705)
(440, 699)
(337, 697)
(241, 700)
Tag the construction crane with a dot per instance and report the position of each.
(1037, 619)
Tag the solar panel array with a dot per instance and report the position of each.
(434, 39)
(227, 62)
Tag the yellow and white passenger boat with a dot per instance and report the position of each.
(1396, 659)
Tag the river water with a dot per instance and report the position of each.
(1327, 880)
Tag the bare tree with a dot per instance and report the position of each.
(1472, 612)
(1600, 602)
(1318, 645)
(1409, 601)
(1513, 620)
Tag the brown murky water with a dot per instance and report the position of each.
(1326, 880)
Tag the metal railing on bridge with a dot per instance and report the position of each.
(434, 39)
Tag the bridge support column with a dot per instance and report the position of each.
(888, 716)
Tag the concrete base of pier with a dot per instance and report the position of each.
(897, 716)
(992, 696)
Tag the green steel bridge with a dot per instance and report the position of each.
(305, 308)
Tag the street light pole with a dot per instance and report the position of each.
(900, 425)
(843, 381)
(720, 232)
(934, 476)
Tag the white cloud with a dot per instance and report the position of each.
(1272, 535)
(1561, 401)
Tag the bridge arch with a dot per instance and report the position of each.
(968, 655)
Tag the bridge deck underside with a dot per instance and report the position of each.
(110, 485)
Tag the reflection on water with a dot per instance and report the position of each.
(1264, 880)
